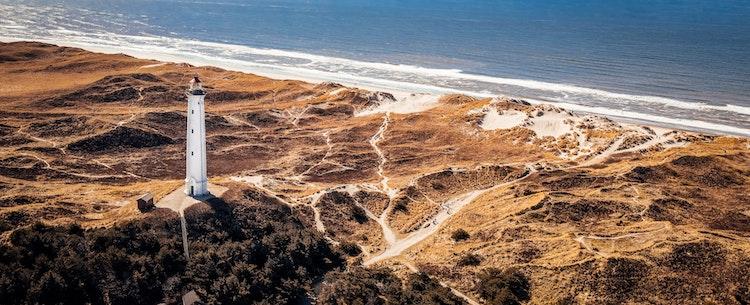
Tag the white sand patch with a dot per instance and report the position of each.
(152, 65)
(544, 120)
(254, 180)
(551, 124)
(568, 134)
(495, 119)
(338, 91)
(404, 103)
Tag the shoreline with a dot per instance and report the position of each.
(398, 88)
(468, 186)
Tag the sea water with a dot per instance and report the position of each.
(681, 63)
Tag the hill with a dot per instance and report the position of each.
(496, 200)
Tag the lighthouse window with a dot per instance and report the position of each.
(191, 153)
(192, 111)
(191, 131)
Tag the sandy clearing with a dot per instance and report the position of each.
(495, 119)
(405, 103)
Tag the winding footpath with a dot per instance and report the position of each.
(430, 227)
(377, 138)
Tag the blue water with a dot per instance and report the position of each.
(683, 62)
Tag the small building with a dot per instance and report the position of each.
(145, 202)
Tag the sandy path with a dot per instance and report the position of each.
(298, 116)
(46, 164)
(125, 121)
(382, 220)
(257, 181)
(447, 210)
(237, 121)
(315, 198)
(325, 156)
(657, 139)
(377, 138)
(458, 293)
(37, 139)
(610, 150)
(582, 239)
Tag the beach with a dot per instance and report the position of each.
(695, 91)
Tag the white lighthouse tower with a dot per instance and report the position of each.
(196, 181)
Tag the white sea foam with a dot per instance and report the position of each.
(370, 75)
(132, 43)
(639, 116)
(459, 74)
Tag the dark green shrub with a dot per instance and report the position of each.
(242, 252)
(503, 287)
(350, 249)
(359, 214)
(469, 260)
(742, 295)
(379, 286)
(67, 265)
(266, 254)
(401, 205)
(460, 235)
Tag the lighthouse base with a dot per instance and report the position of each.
(196, 188)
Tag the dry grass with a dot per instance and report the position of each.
(559, 225)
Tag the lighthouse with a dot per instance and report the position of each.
(196, 181)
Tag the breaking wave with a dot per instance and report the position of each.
(729, 118)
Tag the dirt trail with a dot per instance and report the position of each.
(325, 156)
(582, 239)
(24, 133)
(140, 94)
(657, 139)
(447, 210)
(46, 164)
(125, 121)
(377, 138)
(314, 199)
(258, 182)
(298, 116)
(456, 292)
(388, 234)
(610, 150)
(237, 121)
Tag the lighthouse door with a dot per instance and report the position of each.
(192, 190)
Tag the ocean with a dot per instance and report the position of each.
(678, 63)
